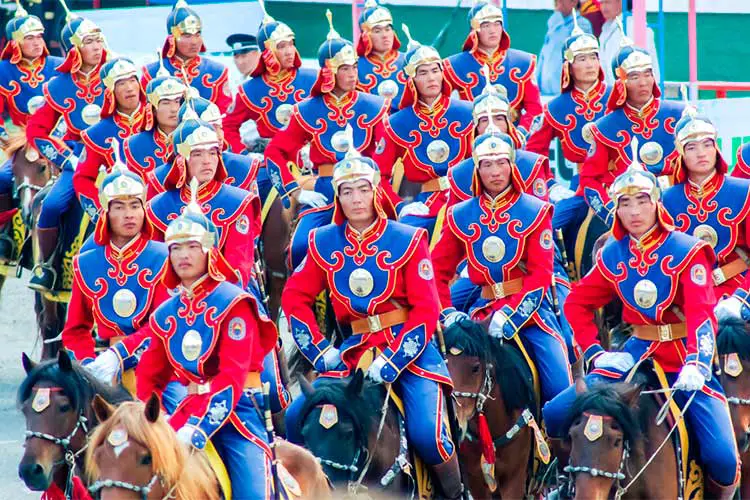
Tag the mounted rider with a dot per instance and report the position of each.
(506, 237)
(25, 66)
(672, 317)
(373, 266)
(116, 285)
(489, 44)
(124, 114)
(429, 134)
(180, 57)
(635, 110)
(73, 102)
(148, 149)
(220, 355)
(321, 121)
(380, 62)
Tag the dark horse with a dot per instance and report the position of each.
(733, 346)
(612, 433)
(493, 379)
(55, 399)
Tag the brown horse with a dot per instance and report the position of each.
(136, 452)
(55, 399)
(612, 434)
(492, 379)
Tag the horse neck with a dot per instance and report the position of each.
(385, 449)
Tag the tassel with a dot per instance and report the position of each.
(485, 439)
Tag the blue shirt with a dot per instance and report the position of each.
(559, 29)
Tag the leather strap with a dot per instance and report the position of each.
(439, 184)
(252, 381)
(372, 324)
(325, 170)
(660, 333)
(728, 271)
(502, 289)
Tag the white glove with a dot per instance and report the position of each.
(621, 361)
(249, 134)
(415, 208)
(731, 307)
(559, 192)
(454, 317)
(311, 198)
(105, 367)
(497, 325)
(331, 358)
(373, 373)
(185, 434)
(690, 379)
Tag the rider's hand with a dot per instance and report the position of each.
(731, 307)
(454, 317)
(620, 361)
(415, 208)
(185, 434)
(500, 327)
(690, 379)
(331, 358)
(559, 192)
(310, 198)
(105, 367)
(373, 373)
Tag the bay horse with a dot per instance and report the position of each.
(55, 399)
(492, 381)
(135, 450)
(612, 433)
(733, 369)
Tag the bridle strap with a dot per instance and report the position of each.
(484, 391)
(143, 491)
(524, 419)
(732, 400)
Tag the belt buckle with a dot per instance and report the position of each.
(718, 276)
(374, 323)
(443, 183)
(665, 333)
(498, 290)
(204, 388)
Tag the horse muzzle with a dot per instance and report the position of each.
(36, 476)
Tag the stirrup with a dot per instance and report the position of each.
(43, 278)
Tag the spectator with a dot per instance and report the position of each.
(609, 41)
(559, 28)
(591, 10)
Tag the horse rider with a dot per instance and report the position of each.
(116, 285)
(583, 100)
(380, 62)
(220, 354)
(742, 167)
(25, 65)
(278, 82)
(180, 57)
(634, 110)
(73, 102)
(321, 120)
(429, 134)
(506, 237)
(489, 44)
(245, 52)
(373, 266)
(672, 317)
(144, 151)
(124, 114)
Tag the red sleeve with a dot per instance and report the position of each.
(222, 92)
(234, 119)
(145, 77)
(84, 177)
(698, 299)
(532, 103)
(154, 371)
(447, 254)
(539, 141)
(41, 123)
(76, 336)
(300, 290)
(283, 149)
(239, 248)
(390, 153)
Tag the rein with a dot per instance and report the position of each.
(732, 400)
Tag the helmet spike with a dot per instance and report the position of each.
(119, 164)
(20, 11)
(411, 43)
(576, 28)
(193, 206)
(162, 72)
(689, 110)
(370, 4)
(488, 89)
(180, 4)
(68, 14)
(352, 151)
(332, 33)
(625, 41)
(634, 163)
(267, 19)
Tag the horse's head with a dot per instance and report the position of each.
(733, 346)
(30, 170)
(336, 423)
(602, 431)
(52, 400)
(135, 454)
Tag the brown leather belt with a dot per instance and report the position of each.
(252, 381)
(728, 271)
(439, 184)
(372, 324)
(660, 333)
(116, 339)
(502, 289)
(325, 170)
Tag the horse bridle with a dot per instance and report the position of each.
(484, 391)
(143, 491)
(70, 456)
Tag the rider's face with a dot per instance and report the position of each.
(32, 46)
(700, 157)
(585, 69)
(189, 45)
(128, 94)
(637, 213)
(382, 38)
(356, 200)
(167, 112)
(499, 120)
(640, 87)
(91, 50)
(125, 218)
(429, 80)
(202, 164)
(490, 33)
(285, 53)
(188, 260)
(346, 77)
(495, 175)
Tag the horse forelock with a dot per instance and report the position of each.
(608, 400)
(733, 337)
(16, 141)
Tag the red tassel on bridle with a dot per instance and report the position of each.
(485, 440)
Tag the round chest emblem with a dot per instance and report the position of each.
(283, 114)
(493, 249)
(645, 293)
(361, 282)
(191, 345)
(651, 153)
(438, 151)
(707, 234)
(387, 89)
(124, 302)
(90, 114)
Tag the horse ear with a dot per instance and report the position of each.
(153, 408)
(102, 409)
(631, 394)
(63, 360)
(581, 386)
(354, 388)
(28, 364)
(305, 386)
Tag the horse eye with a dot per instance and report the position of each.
(476, 368)
(618, 442)
(146, 460)
(64, 408)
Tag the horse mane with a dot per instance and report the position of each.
(733, 337)
(190, 473)
(511, 370)
(78, 384)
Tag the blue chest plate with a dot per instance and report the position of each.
(328, 126)
(383, 79)
(122, 294)
(102, 132)
(142, 151)
(23, 88)
(203, 77)
(239, 168)
(570, 116)
(274, 101)
(515, 65)
(80, 108)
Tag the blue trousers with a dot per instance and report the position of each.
(247, 462)
(6, 177)
(58, 200)
(550, 355)
(279, 395)
(707, 415)
(309, 220)
(426, 419)
(173, 395)
(264, 184)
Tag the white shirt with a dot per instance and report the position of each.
(609, 42)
